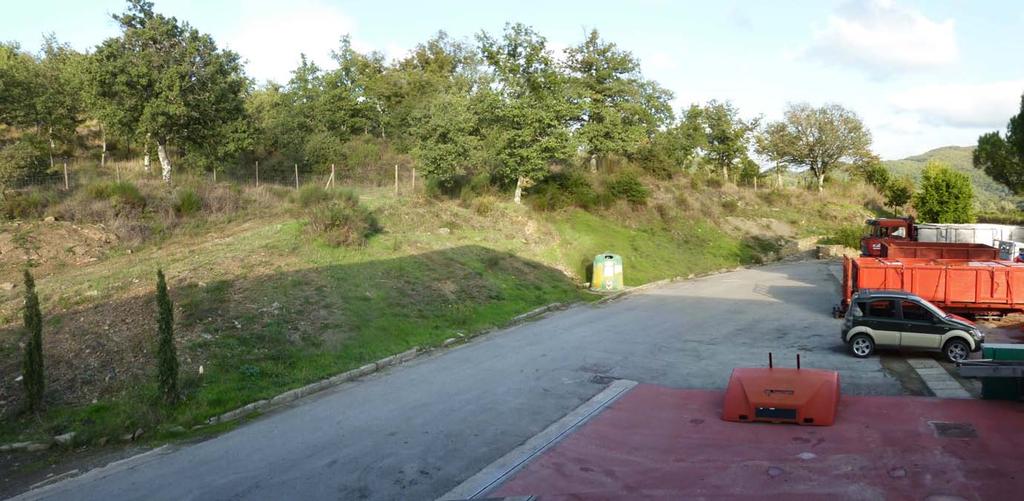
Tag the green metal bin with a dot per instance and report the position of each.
(1002, 388)
(607, 274)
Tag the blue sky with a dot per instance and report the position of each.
(920, 74)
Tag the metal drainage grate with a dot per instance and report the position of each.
(953, 430)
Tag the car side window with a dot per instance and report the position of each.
(915, 312)
(882, 308)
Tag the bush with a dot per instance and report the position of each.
(21, 161)
(730, 205)
(187, 202)
(343, 221)
(570, 188)
(484, 205)
(848, 236)
(714, 182)
(26, 204)
(310, 195)
(627, 186)
(123, 195)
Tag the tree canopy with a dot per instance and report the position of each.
(944, 196)
(820, 139)
(168, 80)
(1003, 158)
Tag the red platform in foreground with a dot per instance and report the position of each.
(664, 443)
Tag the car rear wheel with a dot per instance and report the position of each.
(956, 350)
(862, 346)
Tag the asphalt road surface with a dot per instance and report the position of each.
(418, 430)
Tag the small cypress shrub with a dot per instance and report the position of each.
(188, 202)
(627, 186)
(32, 369)
(167, 356)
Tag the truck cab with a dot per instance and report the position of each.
(885, 229)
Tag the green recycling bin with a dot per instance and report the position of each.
(607, 273)
(1002, 388)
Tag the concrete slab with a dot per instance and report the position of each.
(939, 381)
(662, 443)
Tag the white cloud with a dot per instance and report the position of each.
(985, 105)
(884, 38)
(271, 38)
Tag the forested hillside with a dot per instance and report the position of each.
(989, 194)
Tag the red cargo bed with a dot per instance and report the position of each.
(938, 250)
(953, 284)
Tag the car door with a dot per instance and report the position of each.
(881, 316)
(919, 328)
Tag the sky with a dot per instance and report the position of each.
(921, 74)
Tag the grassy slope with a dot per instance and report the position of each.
(263, 307)
(988, 192)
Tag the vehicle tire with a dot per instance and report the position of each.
(862, 346)
(956, 350)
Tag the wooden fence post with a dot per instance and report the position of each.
(67, 186)
(257, 173)
(296, 176)
(396, 180)
(414, 180)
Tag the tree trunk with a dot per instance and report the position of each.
(593, 163)
(779, 174)
(103, 153)
(725, 172)
(821, 183)
(145, 155)
(49, 135)
(165, 161)
(518, 197)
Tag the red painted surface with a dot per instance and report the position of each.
(938, 250)
(953, 284)
(664, 443)
(812, 394)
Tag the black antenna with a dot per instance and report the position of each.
(798, 361)
(769, 360)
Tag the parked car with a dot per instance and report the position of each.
(898, 319)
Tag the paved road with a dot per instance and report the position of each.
(418, 430)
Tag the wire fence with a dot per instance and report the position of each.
(71, 173)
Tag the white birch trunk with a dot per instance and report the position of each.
(518, 197)
(821, 183)
(145, 155)
(165, 161)
(103, 153)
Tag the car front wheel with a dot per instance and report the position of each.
(956, 350)
(862, 346)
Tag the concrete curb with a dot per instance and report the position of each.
(666, 281)
(309, 389)
(393, 360)
(493, 474)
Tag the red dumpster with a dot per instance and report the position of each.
(938, 250)
(953, 284)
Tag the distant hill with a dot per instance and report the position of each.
(990, 195)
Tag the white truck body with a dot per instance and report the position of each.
(988, 234)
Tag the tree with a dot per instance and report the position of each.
(728, 135)
(32, 366)
(447, 138)
(527, 114)
(749, 173)
(618, 109)
(167, 356)
(772, 143)
(170, 81)
(822, 138)
(945, 196)
(1003, 159)
(898, 193)
(21, 160)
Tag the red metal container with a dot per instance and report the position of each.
(953, 284)
(938, 250)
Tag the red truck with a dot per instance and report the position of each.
(881, 231)
(955, 285)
